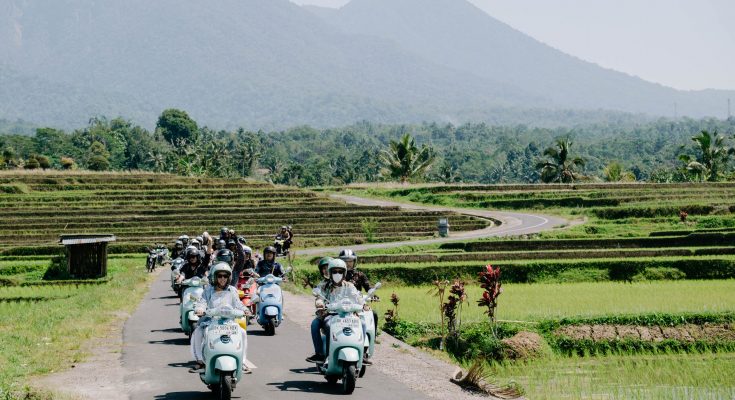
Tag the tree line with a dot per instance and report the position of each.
(660, 151)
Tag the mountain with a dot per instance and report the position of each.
(458, 35)
(253, 63)
(272, 64)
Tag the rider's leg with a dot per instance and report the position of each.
(316, 336)
(197, 339)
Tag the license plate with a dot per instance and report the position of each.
(219, 330)
(352, 322)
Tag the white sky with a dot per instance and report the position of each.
(685, 44)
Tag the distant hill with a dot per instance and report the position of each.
(456, 34)
(272, 64)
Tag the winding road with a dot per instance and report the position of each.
(156, 355)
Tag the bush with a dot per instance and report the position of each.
(540, 271)
(57, 269)
(660, 274)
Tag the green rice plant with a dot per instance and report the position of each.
(541, 301)
(369, 226)
(661, 376)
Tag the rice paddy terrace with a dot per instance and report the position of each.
(144, 208)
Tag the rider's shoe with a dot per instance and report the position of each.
(366, 361)
(198, 368)
(316, 358)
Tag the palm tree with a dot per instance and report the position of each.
(614, 172)
(403, 160)
(712, 159)
(559, 168)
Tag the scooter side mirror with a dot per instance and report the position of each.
(288, 270)
(316, 292)
(377, 286)
(255, 299)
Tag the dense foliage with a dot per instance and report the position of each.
(661, 151)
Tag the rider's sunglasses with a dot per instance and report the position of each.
(221, 276)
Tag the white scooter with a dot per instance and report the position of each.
(269, 302)
(176, 265)
(369, 319)
(222, 349)
(192, 294)
(345, 344)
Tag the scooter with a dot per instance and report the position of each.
(279, 244)
(369, 319)
(247, 288)
(176, 265)
(151, 262)
(269, 302)
(193, 292)
(222, 352)
(345, 346)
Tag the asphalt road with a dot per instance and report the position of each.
(156, 355)
(156, 359)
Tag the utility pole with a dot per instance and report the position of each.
(729, 114)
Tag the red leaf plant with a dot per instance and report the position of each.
(491, 285)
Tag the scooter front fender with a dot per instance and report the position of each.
(225, 364)
(348, 354)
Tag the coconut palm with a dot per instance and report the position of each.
(560, 167)
(712, 158)
(614, 172)
(403, 160)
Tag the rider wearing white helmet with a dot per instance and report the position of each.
(217, 294)
(336, 289)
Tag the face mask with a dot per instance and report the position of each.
(337, 278)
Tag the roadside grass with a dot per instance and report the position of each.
(540, 301)
(46, 334)
(693, 376)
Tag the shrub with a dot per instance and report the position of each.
(369, 226)
(57, 269)
(659, 274)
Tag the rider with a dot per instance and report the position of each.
(193, 266)
(178, 250)
(285, 235)
(236, 248)
(269, 265)
(184, 240)
(249, 263)
(224, 234)
(358, 278)
(334, 290)
(217, 294)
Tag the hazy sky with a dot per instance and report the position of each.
(686, 44)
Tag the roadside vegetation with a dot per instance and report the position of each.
(636, 302)
(44, 327)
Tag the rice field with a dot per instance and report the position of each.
(541, 301)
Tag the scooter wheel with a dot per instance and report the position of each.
(363, 369)
(349, 379)
(224, 389)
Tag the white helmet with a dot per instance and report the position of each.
(219, 267)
